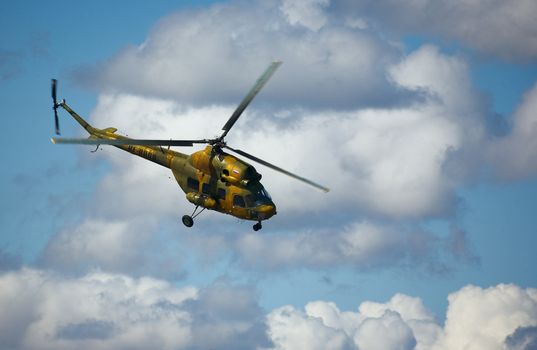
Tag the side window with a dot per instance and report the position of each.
(238, 201)
(206, 188)
(221, 194)
(193, 184)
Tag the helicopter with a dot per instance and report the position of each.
(211, 178)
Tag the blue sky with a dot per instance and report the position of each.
(418, 117)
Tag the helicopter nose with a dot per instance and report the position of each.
(266, 211)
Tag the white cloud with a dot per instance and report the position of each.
(476, 319)
(411, 311)
(104, 311)
(308, 13)
(42, 310)
(114, 311)
(293, 329)
(114, 245)
(493, 27)
(214, 55)
(95, 241)
(483, 318)
(362, 245)
(387, 332)
(324, 325)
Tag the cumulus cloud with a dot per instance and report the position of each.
(483, 318)
(476, 318)
(132, 246)
(402, 323)
(362, 245)
(42, 310)
(293, 329)
(492, 27)
(93, 241)
(113, 311)
(214, 55)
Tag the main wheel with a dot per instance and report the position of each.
(187, 221)
(257, 226)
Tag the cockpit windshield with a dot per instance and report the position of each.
(258, 196)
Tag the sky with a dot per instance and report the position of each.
(419, 116)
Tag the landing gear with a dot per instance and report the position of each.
(257, 226)
(188, 220)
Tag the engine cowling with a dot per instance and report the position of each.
(228, 168)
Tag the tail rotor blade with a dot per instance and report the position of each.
(56, 121)
(55, 105)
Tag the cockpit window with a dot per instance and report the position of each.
(258, 196)
(265, 193)
(238, 201)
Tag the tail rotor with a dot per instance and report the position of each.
(55, 106)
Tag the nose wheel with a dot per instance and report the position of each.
(257, 226)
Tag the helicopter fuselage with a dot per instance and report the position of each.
(212, 179)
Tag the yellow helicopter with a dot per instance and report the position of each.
(211, 178)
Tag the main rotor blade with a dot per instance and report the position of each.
(250, 96)
(125, 142)
(274, 167)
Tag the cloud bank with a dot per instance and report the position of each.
(120, 312)
(494, 318)
(42, 310)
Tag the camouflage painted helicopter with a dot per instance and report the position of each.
(211, 178)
